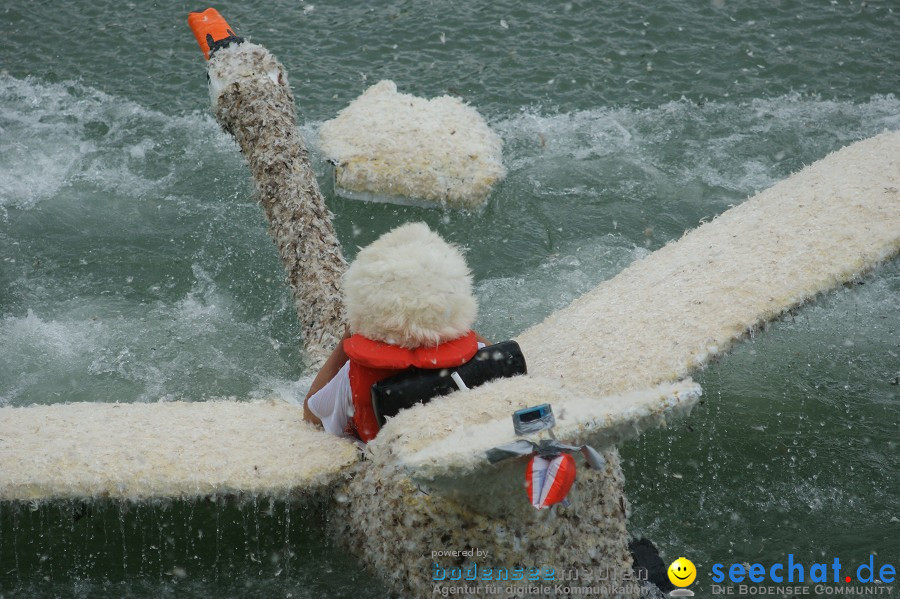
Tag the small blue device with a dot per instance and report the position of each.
(533, 420)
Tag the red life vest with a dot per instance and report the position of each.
(371, 361)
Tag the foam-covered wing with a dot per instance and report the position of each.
(580, 420)
(687, 302)
(671, 312)
(170, 449)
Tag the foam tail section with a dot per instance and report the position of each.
(165, 450)
(580, 420)
(457, 463)
(252, 100)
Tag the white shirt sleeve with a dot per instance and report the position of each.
(332, 403)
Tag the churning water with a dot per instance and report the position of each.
(135, 266)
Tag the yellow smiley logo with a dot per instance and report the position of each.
(682, 572)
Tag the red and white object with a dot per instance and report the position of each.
(548, 480)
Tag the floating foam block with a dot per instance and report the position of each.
(395, 147)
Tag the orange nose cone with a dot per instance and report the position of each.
(209, 27)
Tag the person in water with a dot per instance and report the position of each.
(409, 303)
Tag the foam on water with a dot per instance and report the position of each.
(739, 147)
(59, 134)
(507, 305)
(96, 350)
(119, 267)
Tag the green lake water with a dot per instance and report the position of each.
(135, 265)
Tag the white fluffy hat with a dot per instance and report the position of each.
(410, 288)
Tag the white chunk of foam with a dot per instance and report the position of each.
(395, 147)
